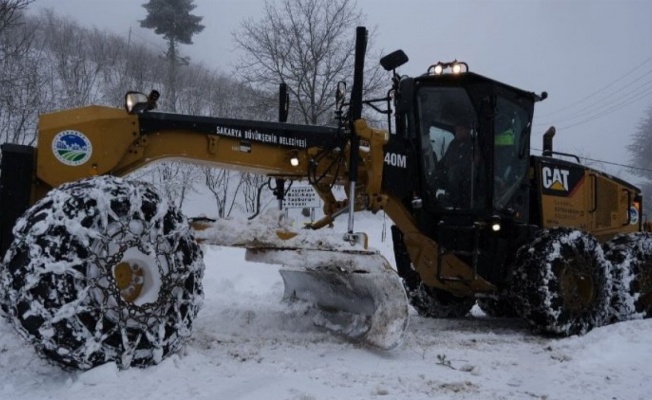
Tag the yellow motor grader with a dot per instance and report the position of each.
(100, 269)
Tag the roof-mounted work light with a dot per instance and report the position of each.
(453, 67)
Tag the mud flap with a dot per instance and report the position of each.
(358, 294)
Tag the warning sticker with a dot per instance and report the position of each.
(301, 197)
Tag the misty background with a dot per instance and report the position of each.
(592, 57)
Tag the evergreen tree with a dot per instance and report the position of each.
(173, 20)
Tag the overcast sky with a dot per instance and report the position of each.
(594, 58)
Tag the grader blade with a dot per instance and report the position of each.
(355, 290)
(357, 294)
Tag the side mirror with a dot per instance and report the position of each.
(393, 60)
(137, 102)
(340, 94)
(134, 100)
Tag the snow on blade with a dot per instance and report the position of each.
(360, 296)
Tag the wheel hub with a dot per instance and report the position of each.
(129, 278)
(577, 285)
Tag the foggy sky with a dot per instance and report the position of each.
(590, 56)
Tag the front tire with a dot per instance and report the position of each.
(561, 282)
(102, 270)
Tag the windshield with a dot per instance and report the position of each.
(449, 142)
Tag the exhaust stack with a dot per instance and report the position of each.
(547, 141)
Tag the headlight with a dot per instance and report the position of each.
(293, 157)
(495, 223)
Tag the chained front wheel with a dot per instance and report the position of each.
(103, 270)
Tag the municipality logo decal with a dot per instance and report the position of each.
(72, 147)
(633, 215)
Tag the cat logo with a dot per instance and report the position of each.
(555, 178)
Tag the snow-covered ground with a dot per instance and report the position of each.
(248, 345)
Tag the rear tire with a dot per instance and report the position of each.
(102, 270)
(631, 258)
(500, 307)
(561, 283)
(427, 301)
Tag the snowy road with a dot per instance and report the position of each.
(248, 345)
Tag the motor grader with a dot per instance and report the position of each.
(102, 269)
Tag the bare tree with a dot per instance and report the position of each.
(218, 182)
(22, 98)
(176, 179)
(13, 42)
(21, 74)
(10, 12)
(640, 150)
(66, 65)
(308, 44)
(77, 69)
(251, 184)
(140, 69)
(641, 146)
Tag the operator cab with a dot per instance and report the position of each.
(472, 136)
(466, 137)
